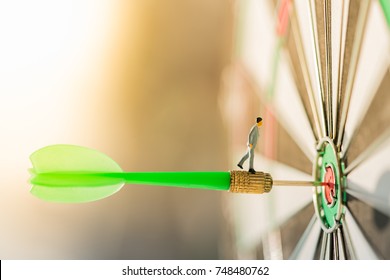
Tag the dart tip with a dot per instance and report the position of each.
(327, 184)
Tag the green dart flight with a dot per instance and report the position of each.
(68, 173)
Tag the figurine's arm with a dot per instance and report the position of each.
(252, 137)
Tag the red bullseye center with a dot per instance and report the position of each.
(329, 185)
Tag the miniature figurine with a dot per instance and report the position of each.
(252, 141)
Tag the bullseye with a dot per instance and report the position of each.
(329, 198)
(329, 185)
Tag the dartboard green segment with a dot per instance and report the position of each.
(329, 199)
(68, 173)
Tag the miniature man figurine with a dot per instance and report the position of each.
(252, 141)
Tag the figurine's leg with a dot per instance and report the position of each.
(251, 159)
(244, 158)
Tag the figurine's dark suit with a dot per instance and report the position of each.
(252, 141)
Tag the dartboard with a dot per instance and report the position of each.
(318, 73)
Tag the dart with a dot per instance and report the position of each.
(73, 174)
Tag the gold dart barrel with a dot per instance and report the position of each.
(246, 182)
(261, 182)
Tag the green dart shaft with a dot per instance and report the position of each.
(235, 181)
(202, 180)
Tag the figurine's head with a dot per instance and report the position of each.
(259, 121)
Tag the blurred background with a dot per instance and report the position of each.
(176, 86)
(137, 80)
